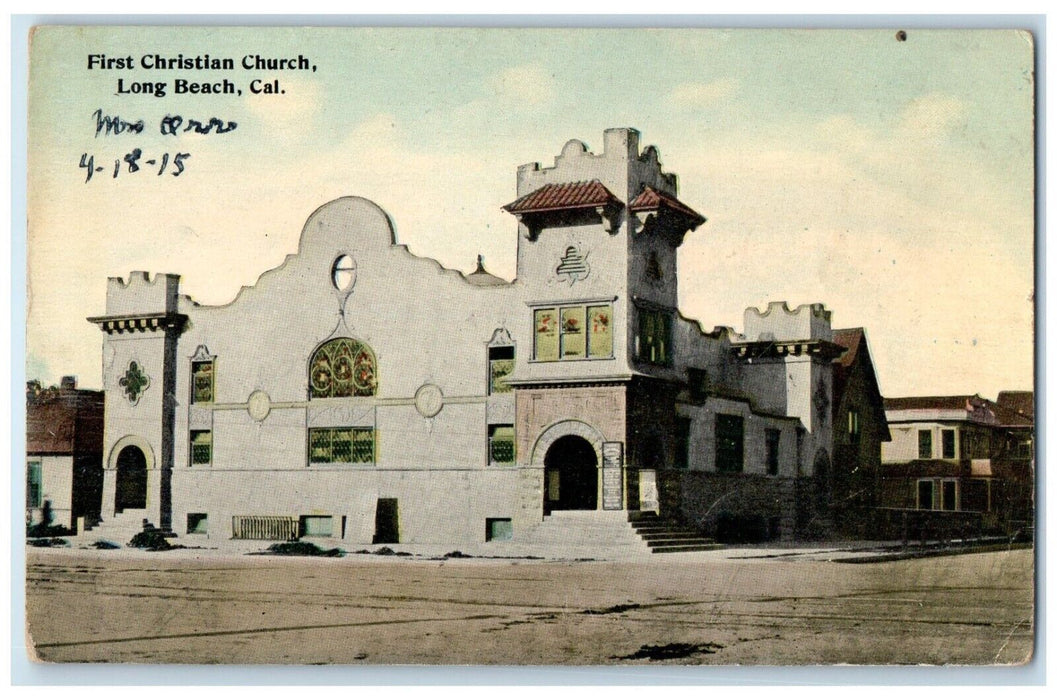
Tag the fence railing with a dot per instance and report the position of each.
(263, 527)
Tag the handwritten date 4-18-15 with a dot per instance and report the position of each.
(136, 163)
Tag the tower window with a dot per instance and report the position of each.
(653, 343)
(573, 332)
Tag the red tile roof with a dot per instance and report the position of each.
(650, 200)
(556, 197)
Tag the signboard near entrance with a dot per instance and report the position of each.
(612, 475)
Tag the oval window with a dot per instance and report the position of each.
(343, 274)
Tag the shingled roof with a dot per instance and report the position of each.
(910, 403)
(564, 196)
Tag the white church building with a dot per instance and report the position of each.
(362, 393)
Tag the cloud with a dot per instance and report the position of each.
(691, 95)
(932, 116)
(529, 84)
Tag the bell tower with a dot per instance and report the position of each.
(598, 234)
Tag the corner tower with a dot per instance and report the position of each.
(598, 235)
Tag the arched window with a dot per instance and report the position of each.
(342, 367)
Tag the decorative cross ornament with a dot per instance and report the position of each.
(134, 383)
(573, 265)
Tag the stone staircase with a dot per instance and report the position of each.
(665, 536)
(600, 534)
(583, 534)
(120, 528)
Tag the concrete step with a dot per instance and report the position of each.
(663, 535)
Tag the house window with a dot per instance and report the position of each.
(924, 444)
(730, 443)
(681, 453)
(925, 500)
(341, 445)
(501, 444)
(316, 526)
(1024, 449)
(496, 529)
(948, 443)
(34, 485)
(201, 446)
(197, 523)
(854, 429)
(653, 343)
(950, 494)
(573, 332)
(202, 382)
(500, 366)
(342, 367)
(772, 438)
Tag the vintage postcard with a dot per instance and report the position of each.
(530, 346)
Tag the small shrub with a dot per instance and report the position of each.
(152, 541)
(302, 549)
(48, 542)
(47, 530)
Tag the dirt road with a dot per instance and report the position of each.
(174, 608)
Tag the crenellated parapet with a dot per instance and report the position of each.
(779, 322)
(141, 304)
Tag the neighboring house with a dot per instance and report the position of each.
(64, 452)
(363, 393)
(961, 454)
(860, 429)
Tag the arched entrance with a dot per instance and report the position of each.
(570, 475)
(131, 479)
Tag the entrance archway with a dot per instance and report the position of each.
(570, 475)
(131, 479)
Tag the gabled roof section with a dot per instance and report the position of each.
(857, 355)
(563, 196)
(652, 200)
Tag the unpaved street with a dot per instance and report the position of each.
(177, 608)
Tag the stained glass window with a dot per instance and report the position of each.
(343, 367)
(201, 446)
(600, 331)
(574, 332)
(501, 444)
(546, 334)
(341, 445)
(202, 382)
(500, 366)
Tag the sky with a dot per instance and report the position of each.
(890, 180)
